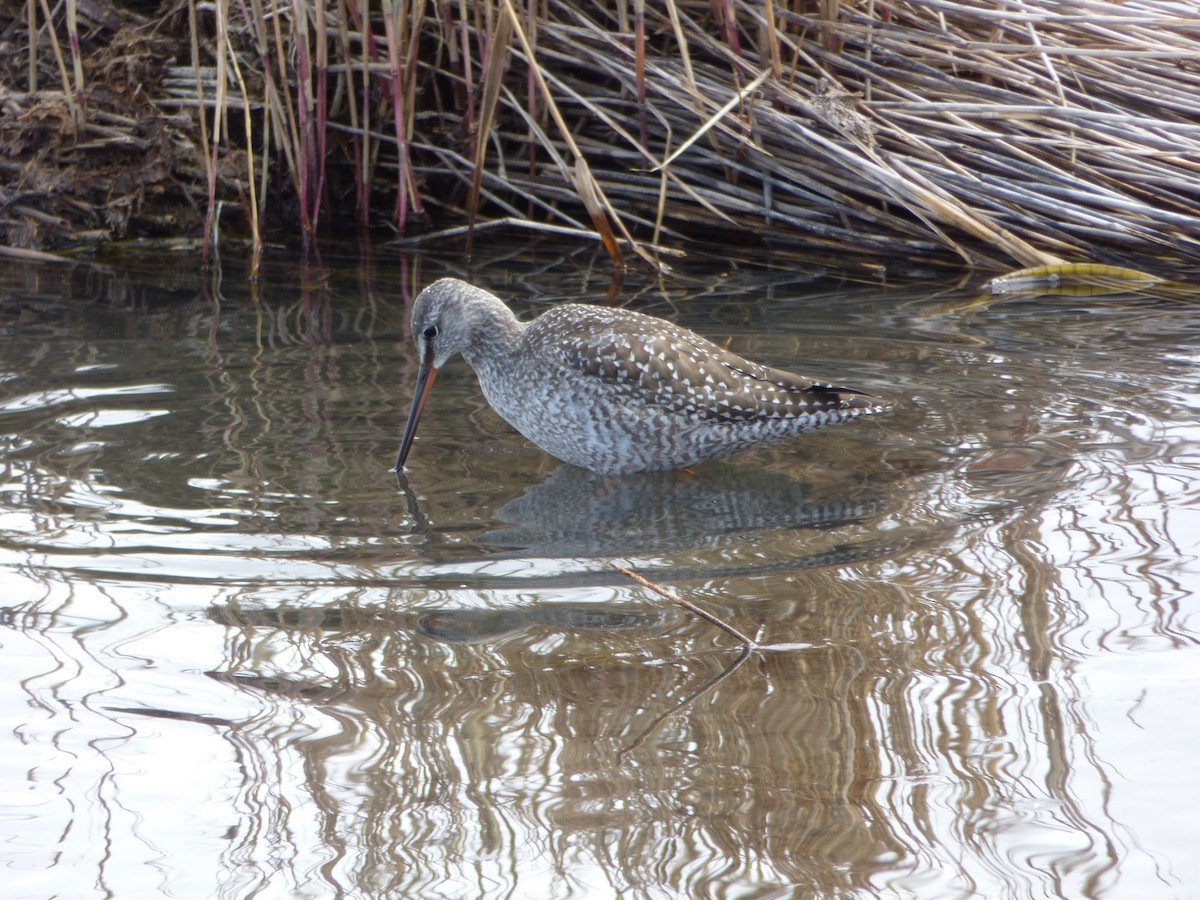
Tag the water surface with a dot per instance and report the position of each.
(243, 659)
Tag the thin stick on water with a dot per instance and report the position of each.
(746, 642)
(685, 702)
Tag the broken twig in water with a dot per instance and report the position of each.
(686, 701)
(746, 642)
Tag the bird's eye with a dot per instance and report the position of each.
(430, 332)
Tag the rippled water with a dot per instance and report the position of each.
(242, 659)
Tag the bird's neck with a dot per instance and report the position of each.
(496, 332)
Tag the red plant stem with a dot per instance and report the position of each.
(639, 31)
(320, 134)
(398, 116)
(726, 15)
(304, 118)
(360, 142)
(410, 77)
(468, 78)
(532, 107)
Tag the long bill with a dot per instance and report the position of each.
(425, 379)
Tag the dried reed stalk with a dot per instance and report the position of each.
(973, 142)
(886, 133)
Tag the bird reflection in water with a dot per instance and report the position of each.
(579, 513)
(455, 625)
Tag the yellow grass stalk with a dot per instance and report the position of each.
(590, 193)
(31, 27)
(214, 137)
(256, 236)
(68, 92)
(715, 118)
(77, 65)
(394, 22)
(493, 77)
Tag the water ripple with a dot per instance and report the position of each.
(244, 659)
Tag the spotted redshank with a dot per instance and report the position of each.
(612, 390)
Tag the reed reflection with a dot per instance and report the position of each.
(567, 751)
(372, 700)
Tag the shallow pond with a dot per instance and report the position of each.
(243, 659)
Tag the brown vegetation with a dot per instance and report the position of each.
(882, 133)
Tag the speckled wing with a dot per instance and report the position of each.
(662, 365)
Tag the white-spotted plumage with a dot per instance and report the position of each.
(612, 390)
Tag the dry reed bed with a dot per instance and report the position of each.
(994, 133)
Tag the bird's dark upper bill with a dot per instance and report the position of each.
(425, 379)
